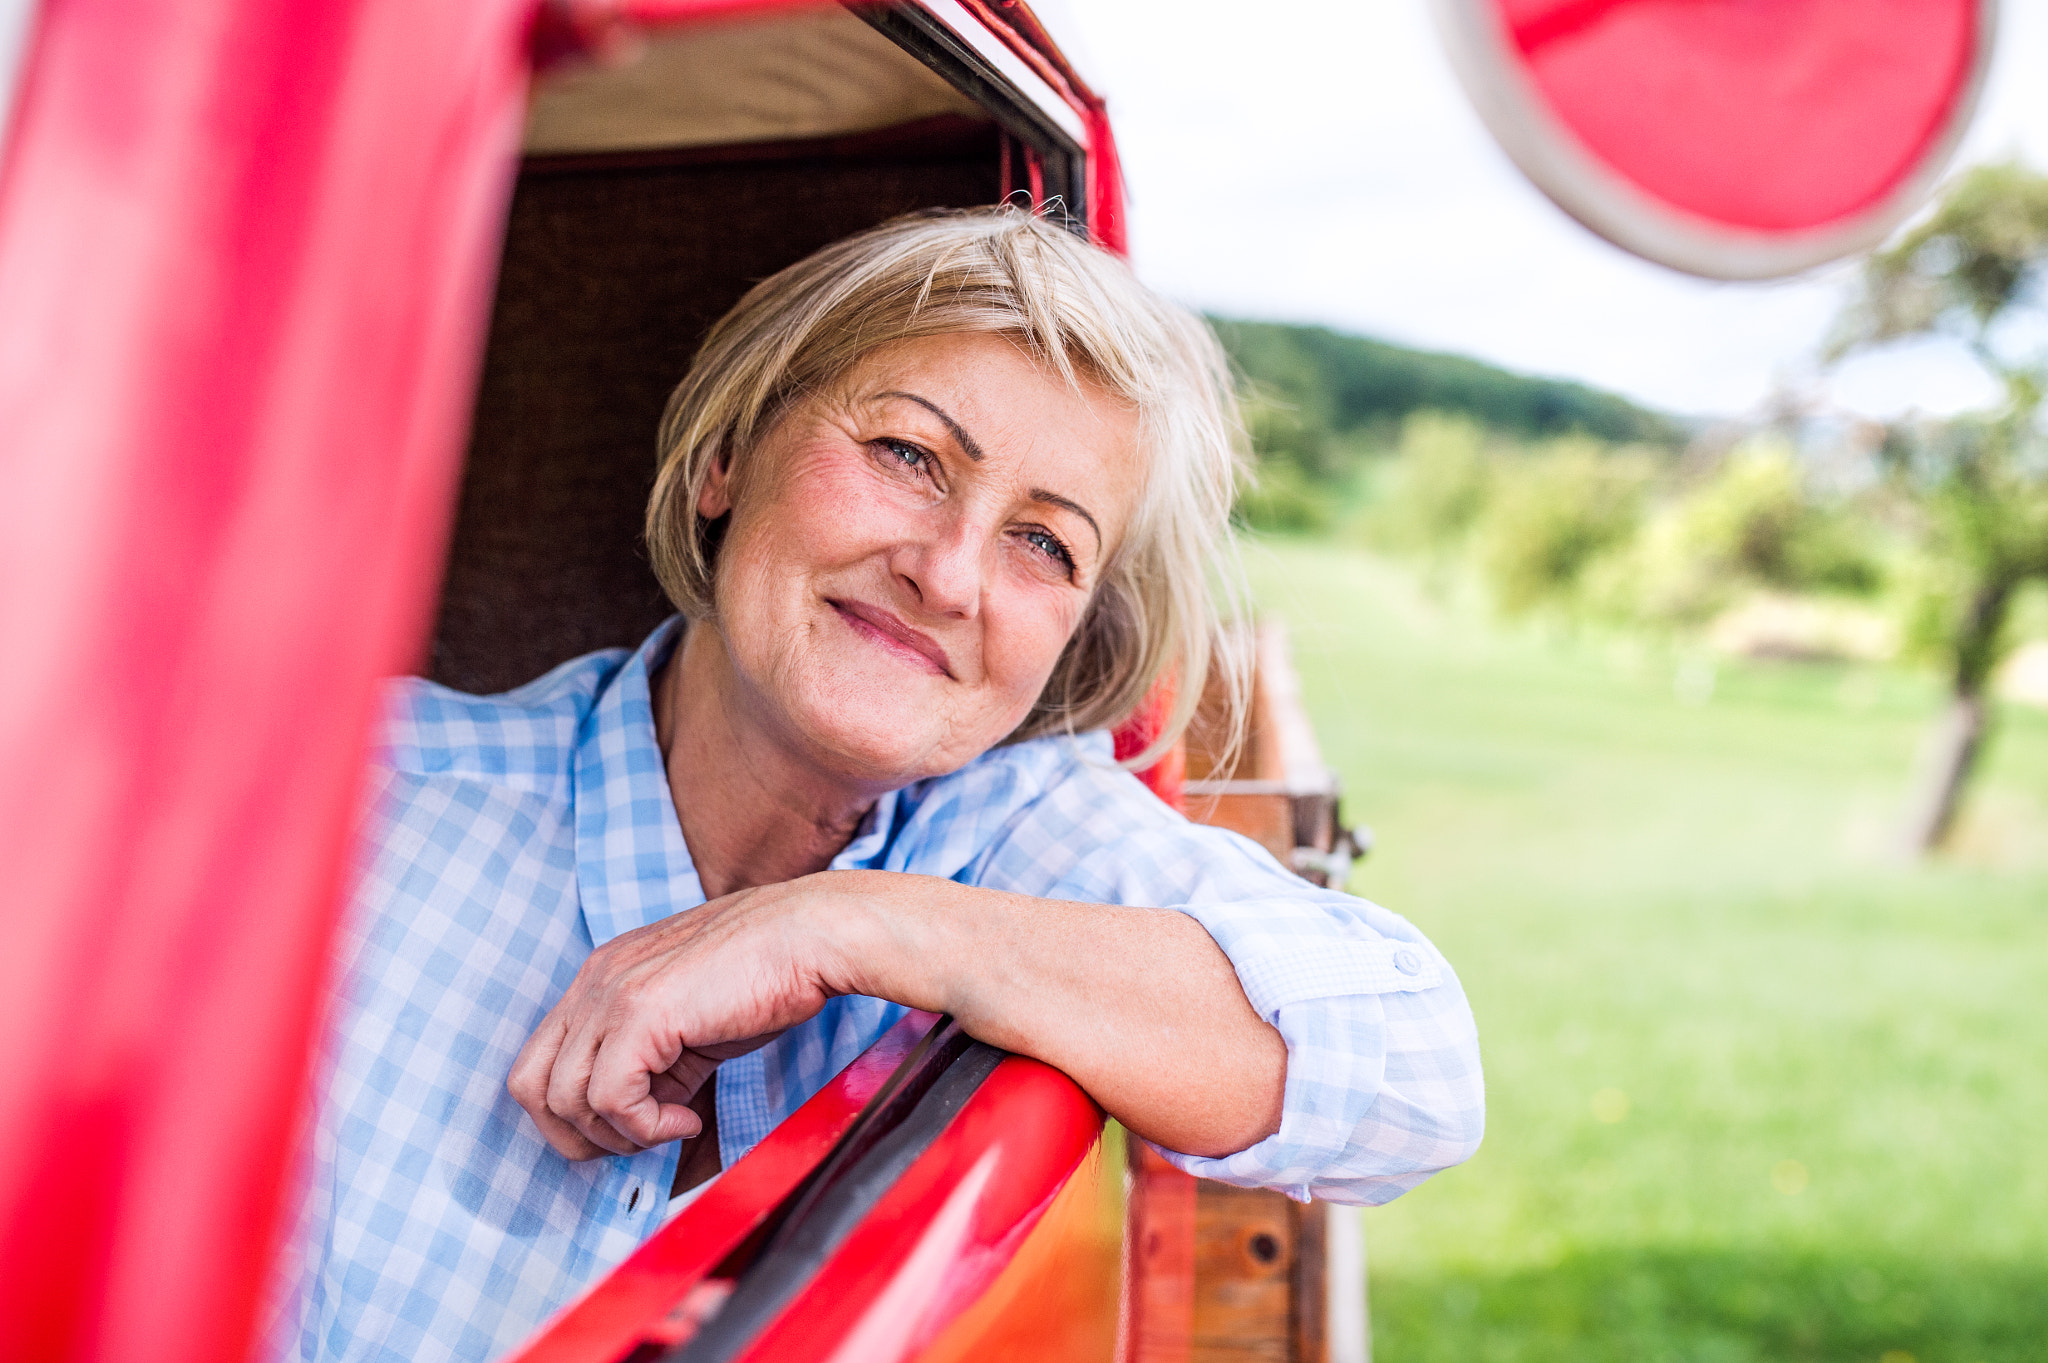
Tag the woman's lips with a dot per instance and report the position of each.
(913, 646)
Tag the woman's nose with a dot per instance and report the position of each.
(946, 565)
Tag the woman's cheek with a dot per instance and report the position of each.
(819, 514)
(1027, 641)
(839, 509)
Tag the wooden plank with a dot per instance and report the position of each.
(1311, 1282)
(1246, 1251)
(1267, 819)
(1159, 1260)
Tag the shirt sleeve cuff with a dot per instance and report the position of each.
(1285, 951)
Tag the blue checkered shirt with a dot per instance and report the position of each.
(512, 834)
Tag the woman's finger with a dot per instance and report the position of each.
(568, 1091)
(528, 1082)
(727, 1050)
(566, 1140)
(691, 1071)
(528, 1085)
(621, 1092)
(668, 1089)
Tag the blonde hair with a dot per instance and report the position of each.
(1078, 311)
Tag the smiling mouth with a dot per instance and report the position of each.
(893, 636)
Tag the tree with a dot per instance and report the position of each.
(1350, 383)
(1557, 510)
(1975, 271)
(1438, 485)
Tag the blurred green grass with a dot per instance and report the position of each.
(1756, 1091)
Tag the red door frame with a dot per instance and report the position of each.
(245, 260)
(246, 250)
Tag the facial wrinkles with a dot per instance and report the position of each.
(823, 517)
(822, 472)
(969, 554)
(976, 466)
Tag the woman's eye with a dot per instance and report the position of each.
(905, 453)
(1045, 542)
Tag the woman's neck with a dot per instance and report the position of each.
(753, 812)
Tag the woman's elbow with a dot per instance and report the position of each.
(1419, 1128)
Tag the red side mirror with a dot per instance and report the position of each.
(1735, 139)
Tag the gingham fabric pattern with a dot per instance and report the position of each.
(511, 834)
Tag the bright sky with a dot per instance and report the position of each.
(1317, 161)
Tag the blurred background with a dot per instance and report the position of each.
(1686, 646)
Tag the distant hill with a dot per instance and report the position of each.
(1343, 384)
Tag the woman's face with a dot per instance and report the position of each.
(909, 553)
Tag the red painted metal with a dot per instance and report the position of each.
(609, 30)
(1059, 1297)
(629, 1304)
(947, 1228)
(245, 256)
(1727, 138)
(1106, 221)
(245, 251)
(1769, 117)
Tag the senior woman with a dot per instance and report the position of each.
(936, 505)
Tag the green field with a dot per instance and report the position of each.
(1756, 1090)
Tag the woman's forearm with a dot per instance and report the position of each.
(1138, 1005)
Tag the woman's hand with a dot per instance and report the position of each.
(1138, 1005)
(612, 1068)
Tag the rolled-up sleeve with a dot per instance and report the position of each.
(1383, 1076)
(1383, 1079)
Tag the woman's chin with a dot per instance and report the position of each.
(889, 741)
(871, 760)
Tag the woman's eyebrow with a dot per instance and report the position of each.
(967, 442)
(1039, 494)
(974, 452)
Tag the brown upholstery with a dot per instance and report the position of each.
(614, 268)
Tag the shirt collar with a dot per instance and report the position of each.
(632, 865)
